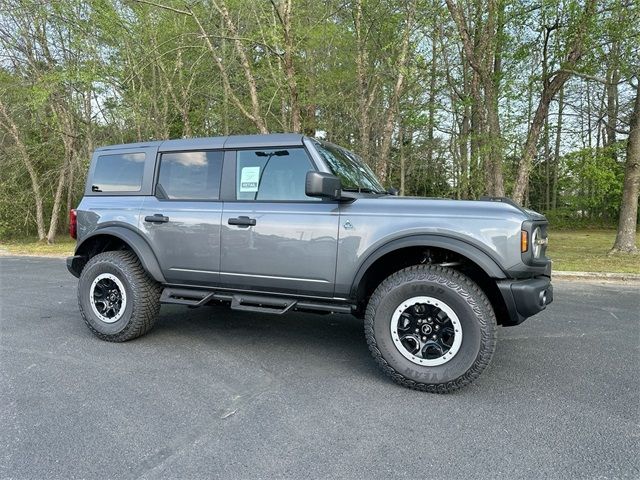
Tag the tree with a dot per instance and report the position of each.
(483, 55)
(551, 86)
(627, 223)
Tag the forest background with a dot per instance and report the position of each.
(537, 100)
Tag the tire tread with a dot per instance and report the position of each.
(146, 295)
(464, 286)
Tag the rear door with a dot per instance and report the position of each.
(274, 237)
(182, 220)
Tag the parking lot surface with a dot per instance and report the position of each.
(212, 393)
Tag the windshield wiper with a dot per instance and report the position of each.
(363, 190)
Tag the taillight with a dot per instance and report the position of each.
(73, 223)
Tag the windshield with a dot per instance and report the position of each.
(349, 167)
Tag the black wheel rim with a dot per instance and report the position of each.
(426, 331)
(108, 298)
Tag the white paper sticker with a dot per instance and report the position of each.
(249, 178)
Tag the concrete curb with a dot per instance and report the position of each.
(7, 253)
(596, 276)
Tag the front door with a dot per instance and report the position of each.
(274, 237)
(182, 221)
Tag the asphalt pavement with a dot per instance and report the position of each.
(211, 393)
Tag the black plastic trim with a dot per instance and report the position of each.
(137, 243)
(473, 253)
(75, 264)
(525, 298)
(262, 303)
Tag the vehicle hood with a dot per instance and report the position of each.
(499, 209)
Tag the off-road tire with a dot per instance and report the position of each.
(470, 304)
(142, 292)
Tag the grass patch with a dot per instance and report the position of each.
(64, 246)
(587, 251)
(571, 250)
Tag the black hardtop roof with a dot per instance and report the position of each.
(231, 141)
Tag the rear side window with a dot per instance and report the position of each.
(120, 172)
(190, 175)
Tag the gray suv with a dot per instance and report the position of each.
(276, 223)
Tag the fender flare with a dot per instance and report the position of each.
(466, 249)
(137, 243)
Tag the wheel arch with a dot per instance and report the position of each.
(400, 253)
(116, 238)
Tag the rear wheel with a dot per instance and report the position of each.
(430, 328)
(117, 299)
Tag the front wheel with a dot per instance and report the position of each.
(430, 328)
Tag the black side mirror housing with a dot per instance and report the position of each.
(321, 184)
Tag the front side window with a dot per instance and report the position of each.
(272, 174)
(190, 175)
(118, 173)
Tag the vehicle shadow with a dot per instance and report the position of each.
(299, 338)
(295, 340)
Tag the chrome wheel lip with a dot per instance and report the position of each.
(455, 321)
(123, 294)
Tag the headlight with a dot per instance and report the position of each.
(537, 242)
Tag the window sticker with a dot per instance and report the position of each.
(249, 178)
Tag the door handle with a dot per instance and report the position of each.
(242, 221)
(157, 218)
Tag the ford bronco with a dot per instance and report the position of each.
(284, 222)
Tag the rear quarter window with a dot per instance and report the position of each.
(121, 172)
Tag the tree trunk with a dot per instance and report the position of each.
(493, 69)
(57, 200)
(483, 53)
(530, 147)
(432, 101)
(476, 134)
(365, 93)
(494, 180)
(547, 167)
(392, 108)
(556, 155)
(255, 115)
(66, 124)
(403, 170)
(284, 15)
(613, 77)
(246, 66)
(7, 122)
(627, 223)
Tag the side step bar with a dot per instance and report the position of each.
(186, 296)
(261, 304)
(193, 298)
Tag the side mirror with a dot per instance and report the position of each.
(320, 184)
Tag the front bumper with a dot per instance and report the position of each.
(525, 298)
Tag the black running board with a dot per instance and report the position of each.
(186, 296)
(193, 297)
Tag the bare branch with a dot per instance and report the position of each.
(166, 7)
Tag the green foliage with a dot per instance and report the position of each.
(113, 71)
(592, 182)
